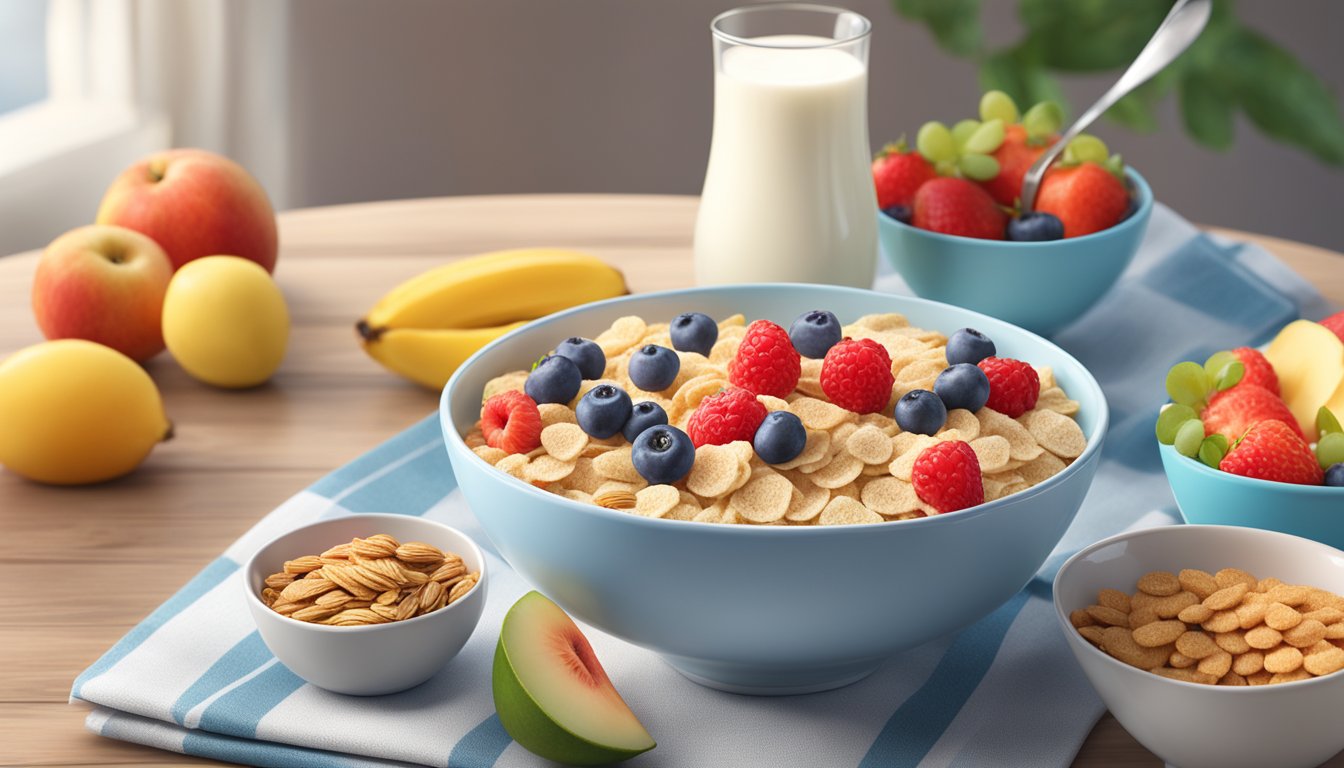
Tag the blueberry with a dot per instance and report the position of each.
(1334, 476)
(586, 354)
(662, 454)
(920, 411)
(694, 332)
(654, 368)
(968, 346)
(815, 332)
(1034, 226)
(780, 438)
(962, 386)
(603, 411)
(644, 415)
(554, 380)
(901, 213)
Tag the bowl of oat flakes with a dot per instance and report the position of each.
(775, 487)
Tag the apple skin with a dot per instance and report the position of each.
(194, 203)
(104, 284)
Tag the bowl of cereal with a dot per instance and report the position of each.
(366, 604)
(1214, 646)
(804, 571)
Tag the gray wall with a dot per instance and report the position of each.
(412, 99)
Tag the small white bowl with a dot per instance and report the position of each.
(368, 660)
(1190, 725)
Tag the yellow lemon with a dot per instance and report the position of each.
(225, 321)
(74, 412)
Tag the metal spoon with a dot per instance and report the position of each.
(1182, 25)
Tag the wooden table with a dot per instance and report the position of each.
(83, 565)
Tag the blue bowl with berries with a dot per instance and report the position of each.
(1039, 285)
(764, 608)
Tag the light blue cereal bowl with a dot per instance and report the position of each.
(1039, 286)
(1208, 496)
(769, 609)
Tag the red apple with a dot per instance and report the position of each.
(194, 203)
(104, 284)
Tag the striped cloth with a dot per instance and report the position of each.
(195, 678)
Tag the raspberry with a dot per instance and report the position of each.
(1013, 385)
(1272, 450)
(724, 417)
(1258, 369)
(766, 362)
(947, 476)
(856, 375)
(511, 422)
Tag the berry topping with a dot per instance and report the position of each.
(1258, 371)
(654, 368)
(724, 417)
(603, 411)
(920, 411)
(1272, 450)
(586, 354)
(645, 414)
(968, 346)
(1013, 385)
(511, 422)
(957, 207)
(814, 333)
(898, 174)
(1035, 226)
(555, 379)
(1087, 198)
(1335, 323)
(1231, 412)
(1015, 155)
(780, 438)
(856, 375)
(901, 213)
(662, 454)
(766, 362)
(963, 385)
(694, 332)
(1334, 476)
(947, 476)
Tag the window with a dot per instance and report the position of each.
(23, 53)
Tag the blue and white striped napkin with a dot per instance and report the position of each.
(195, 678)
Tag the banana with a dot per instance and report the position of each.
(426, 327)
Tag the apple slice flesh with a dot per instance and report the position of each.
(552, 694)
(1309, 361)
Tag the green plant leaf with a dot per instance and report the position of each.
(1207, 111)
(1091, 35)
(955, 24)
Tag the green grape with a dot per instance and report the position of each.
(997, 105)
(1326, 422)
(978, 167)
(963, 130)
(935, 142)
(1170, 419)
(1043, 120)
(946, 167)
(1189, 438)
(1211, 451)
(987, 138)
(1220, 440)
(1229, 376)
(1216, 362)
(1086, 148)
(1116, 165)
(1330, 449)
(1188, 384)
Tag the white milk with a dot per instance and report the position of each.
(788, 191)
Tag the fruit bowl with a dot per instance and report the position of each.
(1040, 286)
(769, 609)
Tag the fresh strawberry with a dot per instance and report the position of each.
(946, 476)
(766, 362)
(1231, 412)
(1013, 385)
(1335, 323)
(511, 422)
(1258, 370)
(1087, 198)
(856, 375)
(724, 417)
(898, 173)
(1273, 450)
(1015, 156)
(958, 207)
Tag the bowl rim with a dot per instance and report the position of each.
(1161, 530)
(455, 441)
(254, 600)
(1140, 213)
(1217, 475)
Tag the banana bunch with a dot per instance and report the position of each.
(429, 325)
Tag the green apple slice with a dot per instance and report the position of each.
(552, 694)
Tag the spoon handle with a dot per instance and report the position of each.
(1178, 30)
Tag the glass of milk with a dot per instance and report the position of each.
(788, 193)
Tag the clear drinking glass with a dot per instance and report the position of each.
(788, 192)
